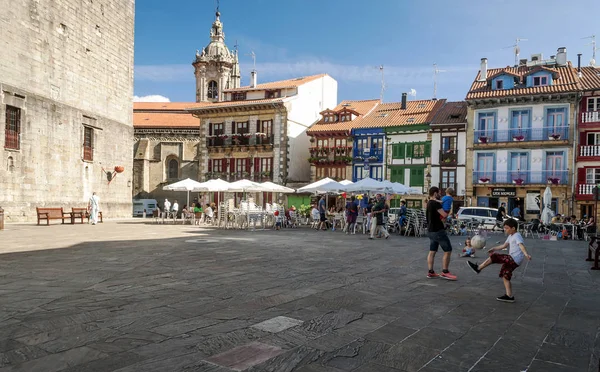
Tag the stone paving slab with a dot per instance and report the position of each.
(132, 296)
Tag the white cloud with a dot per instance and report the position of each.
(151, 98)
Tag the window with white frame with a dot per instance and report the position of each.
(593, 138)
(359, 172)
(592, 176)
(377, 173)
(593, 104)
(555, 161)
(486, 123)
(485, 164)
(555, 118)
(217, 165)
(539, 81)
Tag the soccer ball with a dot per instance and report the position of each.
(478, 242)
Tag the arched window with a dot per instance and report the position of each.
(172, 169)
(213, 91)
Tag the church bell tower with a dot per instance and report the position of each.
(216, 68)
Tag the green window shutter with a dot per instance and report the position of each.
(427, 149)
(417, 176)
(395, 152)
(409, 150)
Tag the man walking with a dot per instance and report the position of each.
(322, 214)
(378, 210)
(94, 208)
(437, 236)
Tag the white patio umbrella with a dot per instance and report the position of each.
(365, 185)
(346, 182)
(395, 188)
(186, 185)
(246, 186)
(273, 187)
(324, 186)
(547, 212)
(216, 185)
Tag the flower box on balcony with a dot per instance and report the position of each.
(518, 138)
(373, 158)
(553, 180)
(484, 180)
(554, 137)
(518, 181)
(483, 139)
(359, 158)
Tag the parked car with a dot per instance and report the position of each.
(484, 215)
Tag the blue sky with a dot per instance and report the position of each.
(348, 39)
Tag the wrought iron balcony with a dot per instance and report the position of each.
(449, 157)
(12, 140)
(521, 177)
(522, 135)
(239, 140)
(372, 154)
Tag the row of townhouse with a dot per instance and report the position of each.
(521, 129)
(415, 143)
(532, 126)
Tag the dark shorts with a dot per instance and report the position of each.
(323, 218)
(508, 264)
(351, 218)
(439, 239)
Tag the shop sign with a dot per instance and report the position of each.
(504, 191)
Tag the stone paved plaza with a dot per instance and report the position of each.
(126, 296)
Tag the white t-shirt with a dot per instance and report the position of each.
(209, 212)
(514, 250)
(315, 214)
(175, 207)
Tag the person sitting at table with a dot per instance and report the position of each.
(590, 226)
(556, 219)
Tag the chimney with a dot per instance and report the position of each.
(404, 95)
(579, 65)
(483, 70)
(253, 79)
(561, 56)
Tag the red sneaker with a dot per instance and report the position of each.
(448, 276)
(432, 275)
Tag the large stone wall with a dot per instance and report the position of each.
(66, 64)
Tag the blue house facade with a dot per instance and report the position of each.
(368, 154)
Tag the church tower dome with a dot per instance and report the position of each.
(217, 67)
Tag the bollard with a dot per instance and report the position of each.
(1, 218)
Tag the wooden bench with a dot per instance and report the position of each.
(52, 214)
(594, 249)
(83, 212)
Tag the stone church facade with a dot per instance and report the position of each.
(255, 132)
(66, 87)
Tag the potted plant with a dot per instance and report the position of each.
(359, 158)
(553, 180)
(312, 159)
(312, 139)
(484, 180)
(518, 181)
(554, 136)
(518, 138)
(373, 158)
(483, 139)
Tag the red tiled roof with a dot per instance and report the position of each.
(165, 106)
(590, 79)
(451, 113)
(165, 120)
(282, 84)
(361, 107)
(392, 114)
(216, 105)
(566, 81)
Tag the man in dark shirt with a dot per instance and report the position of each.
(377, 212)
(437, 236)
(500, 216)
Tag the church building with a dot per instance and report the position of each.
(255, 132)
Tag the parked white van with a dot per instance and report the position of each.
(140, 204)
(484, 215)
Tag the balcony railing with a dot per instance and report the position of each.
(522, 135)
(262, 177)
(521, 177)
(12, 140)
(585, 189)
(590, 117)
(374, 155)
(589, 150)
(449, 157)
(241, 140)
